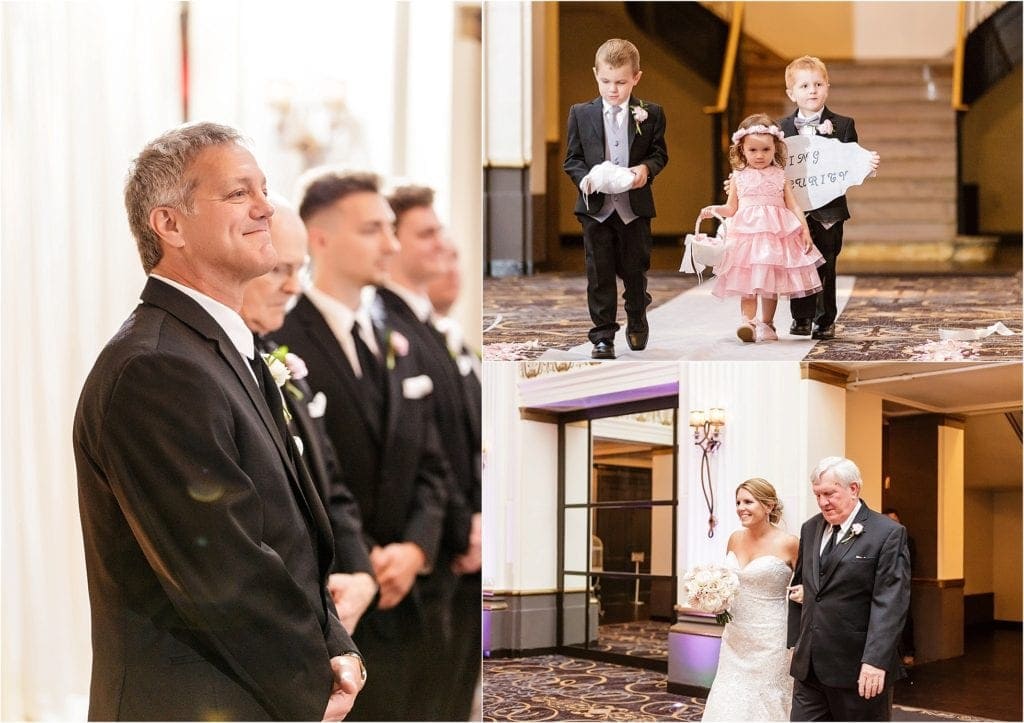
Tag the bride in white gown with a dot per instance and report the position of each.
(753, 681)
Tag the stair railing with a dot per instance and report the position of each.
(720, 129)
(958, 57)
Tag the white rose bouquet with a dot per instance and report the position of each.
(711, 588)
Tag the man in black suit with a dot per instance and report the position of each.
(851, 590)
(206, 544)
(266, 299)
(454, 587)
(630, 133)
(807, 85)
(380, 418)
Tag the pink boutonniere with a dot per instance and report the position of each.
(398, 346)
(825, 128)
(639, 114)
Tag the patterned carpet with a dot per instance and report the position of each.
(645, 639)
(886, 318)
(555, 687)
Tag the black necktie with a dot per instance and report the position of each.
(368, 363)
(266, 383)
(829, 546)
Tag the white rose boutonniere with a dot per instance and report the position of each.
(278, 369)
(296, 370)
(639, 114)
(825, 128)
(855, 530)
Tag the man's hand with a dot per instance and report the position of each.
(348, 678)
(351, 595)
(640, 173)
(396, 566)
(469, 561)
(870, 682)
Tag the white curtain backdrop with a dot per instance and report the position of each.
(409, 76)
(84, 86)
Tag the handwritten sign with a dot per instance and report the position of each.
(822, 168)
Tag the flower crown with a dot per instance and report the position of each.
(772, 130)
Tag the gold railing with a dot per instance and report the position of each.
(958, 57)
(729, 63)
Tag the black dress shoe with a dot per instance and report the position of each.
(824, 332)
(604, 349)
(637, 340)
(800, 327)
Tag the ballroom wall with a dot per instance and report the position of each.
(979, 562)
(1006, 554)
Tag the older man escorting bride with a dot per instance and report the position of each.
(848, 599)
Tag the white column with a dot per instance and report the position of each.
(508, 107)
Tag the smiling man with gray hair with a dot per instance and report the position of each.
(851, 590)
(206, 543)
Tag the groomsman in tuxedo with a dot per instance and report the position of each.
(380, 418)
(266, 299)
(454, 587)
(206, 545)
(848, 603)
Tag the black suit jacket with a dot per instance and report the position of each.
(321, 460)
(854, 608)
(206, 548)
(393, 461)
(585, 149)
(452, 414)
(842, 130)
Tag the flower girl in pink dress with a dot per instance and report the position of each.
(769, 252)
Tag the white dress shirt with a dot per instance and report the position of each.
(621, 118)
(843, 528)
(340, 319)
(227, 318)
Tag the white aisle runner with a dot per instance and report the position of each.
(698, 326)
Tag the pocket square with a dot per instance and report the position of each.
(317, 405)
(465, 364)
(863, 557)
(298, 443)
(417, 387)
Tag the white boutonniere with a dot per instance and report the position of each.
(296, 370)
(824, 128)
(855, 529)
(278, 369)
(639, 114)
(398, 346)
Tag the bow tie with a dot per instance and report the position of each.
(800, 121)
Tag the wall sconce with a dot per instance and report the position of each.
(707, 434)
(314, 123)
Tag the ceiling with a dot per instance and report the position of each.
(965, 388)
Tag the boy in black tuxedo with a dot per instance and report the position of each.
(628, 132)
(807, 86)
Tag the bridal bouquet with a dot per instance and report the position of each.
(710, 588)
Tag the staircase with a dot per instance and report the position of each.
(907, 213)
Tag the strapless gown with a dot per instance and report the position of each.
(753, 681)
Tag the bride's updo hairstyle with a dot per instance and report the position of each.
(762, 491)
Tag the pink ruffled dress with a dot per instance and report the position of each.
(765, 252)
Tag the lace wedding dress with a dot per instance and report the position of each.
(753, 681)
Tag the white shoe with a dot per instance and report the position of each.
(766, 331)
